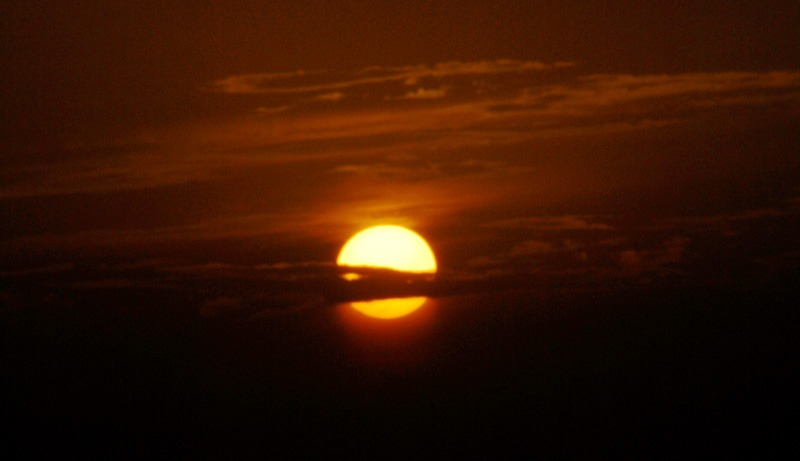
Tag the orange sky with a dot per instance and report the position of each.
(525, 140)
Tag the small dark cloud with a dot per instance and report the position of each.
(216, 306)
(630, 259)
(49, 269)
(108, 283)
(728, 224)
(553, 223)
(531, 247)
(295, 265)
(658, 261)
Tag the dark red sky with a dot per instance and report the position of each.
(612, 191)
(595, 141)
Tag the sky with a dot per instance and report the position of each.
(230, 149)
(606, 141)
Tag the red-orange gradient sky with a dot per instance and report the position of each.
(611, 190)
(582, 142)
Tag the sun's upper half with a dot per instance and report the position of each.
(389, 247)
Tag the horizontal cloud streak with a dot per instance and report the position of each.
(423, 93)
(553, 223)
(573, 106)
(263, 83)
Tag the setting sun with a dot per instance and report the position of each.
(390, 247)
(388, 309)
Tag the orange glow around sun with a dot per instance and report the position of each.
(389, 247)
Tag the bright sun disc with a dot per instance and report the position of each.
(388, 309)
(390, 247)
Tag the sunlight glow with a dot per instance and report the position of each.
(391, 247)
(391, 308)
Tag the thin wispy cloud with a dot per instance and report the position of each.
(50, 269)
(282, 266)
(552, 223)
(586, 94)
(424, 93)
(271, 110)
(725, 222)
(521, 111)
(333, 97)
(532, 247)
(270, 82)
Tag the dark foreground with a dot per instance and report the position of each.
(636, 372)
